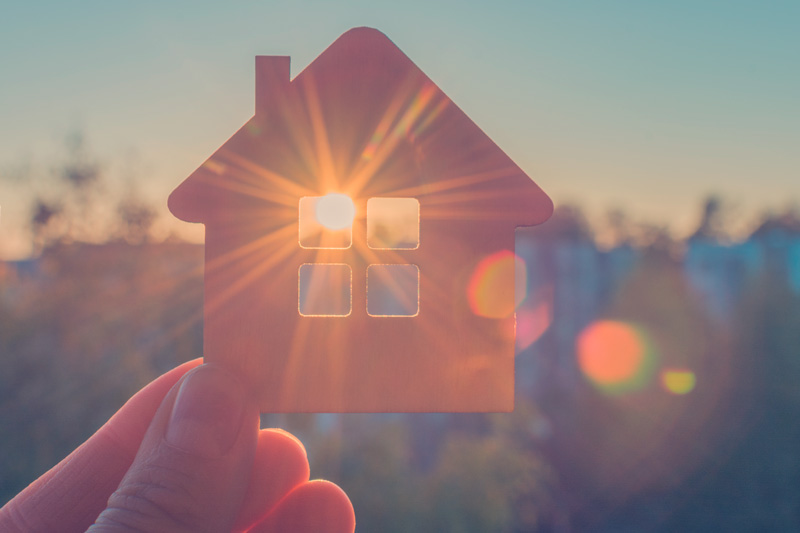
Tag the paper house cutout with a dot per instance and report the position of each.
(325, 306)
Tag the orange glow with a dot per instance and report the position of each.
(491, 290)
(614, 356)
(678, 381)
(326, 221)
(335, 211)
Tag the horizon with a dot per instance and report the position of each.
(646, 109)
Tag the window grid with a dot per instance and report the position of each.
(392, 224)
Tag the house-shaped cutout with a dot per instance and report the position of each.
(344, 222)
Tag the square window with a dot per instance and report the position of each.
(326, 221)
(393, 223)
(325, 289)
(392, 290)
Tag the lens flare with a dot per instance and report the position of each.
(615, 356)
(678, 381)
(491, 291)
(335, 211)
(532, 322)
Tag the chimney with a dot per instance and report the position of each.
(272, 80)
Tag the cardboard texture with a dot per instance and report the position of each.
(321, 314)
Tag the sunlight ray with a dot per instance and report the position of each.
(458, 183)
(279, 235)
(234, 186)
(251, 274)
(290, 188)
(385, 145)
(326, 169)
(432, 115)
(384, 139)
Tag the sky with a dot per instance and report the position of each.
(643, 106)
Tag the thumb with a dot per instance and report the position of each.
(193, 466)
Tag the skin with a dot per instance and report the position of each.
(183, 454)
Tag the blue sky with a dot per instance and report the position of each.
(647, 106)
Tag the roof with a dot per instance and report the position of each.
(362, 119)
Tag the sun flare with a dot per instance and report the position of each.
(335, 211)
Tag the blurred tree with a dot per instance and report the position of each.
(76, 203)
(80, 170)
(67, 202)
(718, 221)
(136, 219)
(495, 480)
(82, 181)
(487, 474)
(477, 485)
(80, 331)
(372, 462)
(613, 445)
(568, 223)
(44, 222)
(752, 482)
(615, 229)
(710, 222)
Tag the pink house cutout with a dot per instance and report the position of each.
(328, 306)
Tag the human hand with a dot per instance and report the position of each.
(183, 454)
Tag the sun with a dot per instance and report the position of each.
(335, 211)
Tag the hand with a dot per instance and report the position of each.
(184, 454)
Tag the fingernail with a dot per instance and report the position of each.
(207, 414)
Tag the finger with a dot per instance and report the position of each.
(280, 465)
(71, 494)
(193, 467)
(313, 507)
(128, 425)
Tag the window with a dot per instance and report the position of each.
(392, 290)
(325, 289)
(326, 221)
(393, 223)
